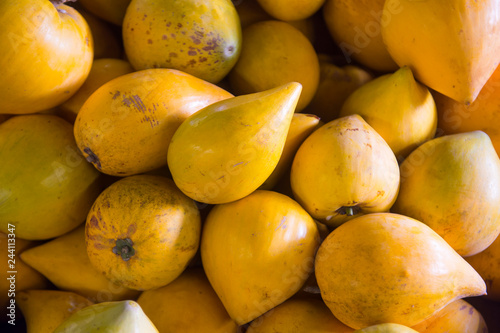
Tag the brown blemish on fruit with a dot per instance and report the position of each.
(192, 52)
(116, 95)
(202, 59)
(94, 222)
(131, 229)
(92, 158)
(150, 41)
(173, 55)
(164, 37)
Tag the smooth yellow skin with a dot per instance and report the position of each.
(451, 46)
(47, 51)
(109, 317)
(227, 150)
(44, 310)
(389, 268)
(335, 85)
(188, 304)
(107, 41)
(31, 279)
(344, 163)
(199, 37)
(111, 11)
(400, 109)
(386, 328)
(102, 71)
(457, 317)
(162, 223)
(267, 257)
(483, 114)
(356, 28)
(299, 315)
(301, 126)
(452, 184)
(487, 264)
(64, 261)
(46, 186)
(291, 10)
(275, 53)
(125, 126)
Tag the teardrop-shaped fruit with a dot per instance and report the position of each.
(482, 115)
(275, 53)
(451, 46)
(390, 268)
(188, 304)
(386, 328)
(47, 51)
(286, 10)
(11, 249)
(45, 310)
(125, 126)
(267, 257)
(457, 317)
(356, 25)
(199, 37)
(64, 261)
(452, 184)
(299, 315)
(102, 71)
(46, 186)
(399, 108)
(301, 126)
(335, 85)
(228, 149)
(142, 232)
(487, 264)
(109, 317)
(343, 169)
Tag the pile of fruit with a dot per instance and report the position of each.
(250, 166)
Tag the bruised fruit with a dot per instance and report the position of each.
(389, 268)
(343, 169)
(266, 259)
(142, 232)
(228, 149)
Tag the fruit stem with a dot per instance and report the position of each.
(124, 248)
(349, 210)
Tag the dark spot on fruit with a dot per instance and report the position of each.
(192, 52)
(179, 25)
(173, 55)
(131, 29)
(94, 222)
(150, 41)
(471, 310)
(92, 158)
(116, 95)
(148, 32)
(191, 62)
(164, 37)
(87, 40)
(169, 24)
(202, 59)
(172, 35)
(230, 49)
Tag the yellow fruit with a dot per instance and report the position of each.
(125, 126)
(275, 53)
(257, 252)
(483, 114)
(457, 317)
(291, 10)
(187, 304)
(107, 42)
(46, 187)
(335, 85)
(299, 315)
(389, 268)
(47, 51)
(343, 169)
(111, 11)
(355, 25)
(44, 310)
(451, 184)
(109, 317)
(64, 261)
(451, 46)
(487, 264)
(199, 37)
(301, 126)
(399, 108)
(386, 328)
(24, 277)
(142, 232)
(228, 149)
(102, 71)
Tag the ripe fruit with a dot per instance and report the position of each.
(199, 37)
(268, 256)
(47, 51)
(227, 150)
(343, 169)
(389, 268)
(291, 10)
(142, 232)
